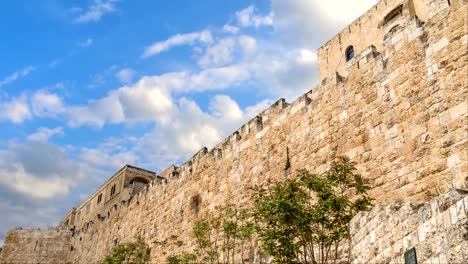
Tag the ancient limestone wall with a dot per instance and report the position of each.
(34, 246)
(438, 230)
(401, 114)
(369, 29)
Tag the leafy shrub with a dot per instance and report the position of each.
(129, 253)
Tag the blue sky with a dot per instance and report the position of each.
(89, 86)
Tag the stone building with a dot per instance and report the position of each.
(116, 191)
(392, 96)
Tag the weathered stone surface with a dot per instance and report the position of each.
(33, 246)
(437, 229)
(399, 111)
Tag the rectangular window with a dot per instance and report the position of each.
(88, 207)
(99, 198)
(112, 190)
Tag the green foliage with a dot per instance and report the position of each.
(280, 213)
(129, 253)
(185, 258)
(219, 239)
(301, 220)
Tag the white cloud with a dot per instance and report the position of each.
(46, 104)
(225, 49)
(125, 75)
(44, 133)
(222, 106)
(247, 43)
(86, 43)
(96, 113)
(191, 128)
(203, 37)
(248, 18)
(310, 23)
(38, 170)
(218, 54)
(16, 110)
(282, 72)
(94, 11)
(106, 156)
(144, 101)
(17, 75)
(230, 29)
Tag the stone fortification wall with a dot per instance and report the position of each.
(401, 114)
(438, 230)
(377, 23)
(33, 246)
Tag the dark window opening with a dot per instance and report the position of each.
(138, 184)
(259, 123)
(448, 1)
(410, 256)
(393, 14)
(287, 167)
(99, 198)
(349, 53)
(174, 174)
(195, 202)
(112, 190)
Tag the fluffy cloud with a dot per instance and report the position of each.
(16, 110)
(203, 37)
(310, 23)
(192, 128)
(40, 104)
(17, 75)
(46, 104)
(96, 112)
(39, 170)
(125, 75)
(223, 51)
(44, 133)
(95, 11)
(230, 29)
(218, 54)
(248, 18)
(110, 154)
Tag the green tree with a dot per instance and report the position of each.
(219, 239)
(300, 220)
(129, 253)
(184, 258)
